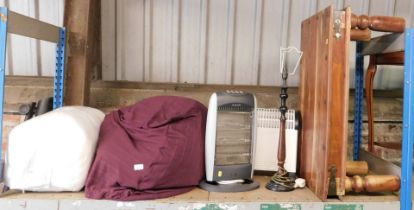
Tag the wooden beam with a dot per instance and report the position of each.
(30, 27)
(24, 89)
(82, 21)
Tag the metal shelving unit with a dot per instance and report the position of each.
(392, 43)
(359, 97)
(14, 23)
(11, 22)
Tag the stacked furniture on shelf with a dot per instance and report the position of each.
(324, 95)
(323, 91)
(324, 104)
(14, 23)
(396, 48)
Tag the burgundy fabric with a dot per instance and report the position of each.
(165, 134)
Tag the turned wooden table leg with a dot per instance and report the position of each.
(369, 83)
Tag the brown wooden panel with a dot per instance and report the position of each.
(338, 128)
(308, 41)
(324, 97)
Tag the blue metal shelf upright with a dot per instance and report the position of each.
(408, 115)
(11, 22)
(359, 97)
(408, 123)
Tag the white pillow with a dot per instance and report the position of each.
(53, 152)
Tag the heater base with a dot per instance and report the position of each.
(236, 187)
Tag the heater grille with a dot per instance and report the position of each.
(234, 136)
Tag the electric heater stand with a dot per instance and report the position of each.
(230, 142)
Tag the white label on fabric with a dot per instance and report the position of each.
(138, 167)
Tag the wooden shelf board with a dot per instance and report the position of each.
(197, 195)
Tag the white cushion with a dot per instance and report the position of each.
(53, 152)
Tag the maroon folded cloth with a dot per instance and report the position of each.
(153, 149)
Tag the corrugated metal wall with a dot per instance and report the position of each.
(194, 41)
(216, 41)
(26, 56)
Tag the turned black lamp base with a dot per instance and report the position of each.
(277, 187)
(281, 182)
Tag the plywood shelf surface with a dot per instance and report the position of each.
(197, 195)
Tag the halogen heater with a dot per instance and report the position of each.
(230, 142)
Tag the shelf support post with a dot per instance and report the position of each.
(408, 122)
(359, 97)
